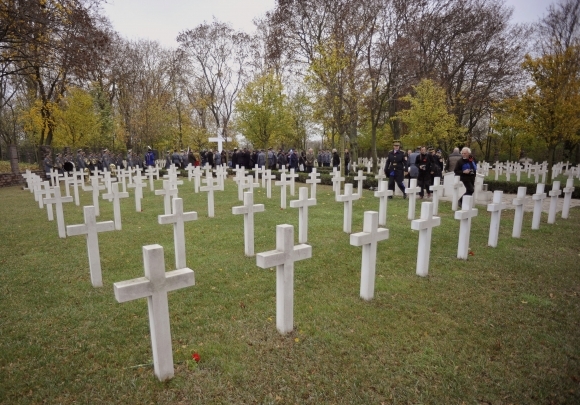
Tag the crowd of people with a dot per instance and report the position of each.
(423, 164)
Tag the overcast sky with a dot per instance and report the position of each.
(162, 20)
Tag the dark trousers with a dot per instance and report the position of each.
(424, 181)
(397, 178)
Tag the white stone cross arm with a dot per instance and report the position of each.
(177, 219)
(248, 210)
(155, 286)
(368, 239)
(283, 258)
(91, 228)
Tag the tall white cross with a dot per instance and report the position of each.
(425, 227)
(167, 192)
(268, 177)
(248, 210)
(57, 199)
(437, 190)
(177, 219)
(250, 184)
(210, 188)
(383, 193)
(154, 286)
(27, 176)
(495, 208)
(283, 182)
(220, 141)
(150, 172)
(122, 177)
(348, 197)
(538, 202)
(568, 190)
(360, 178)
(283, 258)
(464, 216)
(368, 239)
(336, 182)
(95, 187)
(313, 180)
(302, 204)
(240, 179)
(46, 195)
(91, 228)
(197, 179)
(518, 203)
(138, 185)
(115, 196)
(411, 192)
(189, 169)
(554, 194)
(457, 183)
(292, 176)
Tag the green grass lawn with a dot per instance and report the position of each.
(500, 328)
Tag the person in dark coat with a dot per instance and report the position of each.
(466, 169)
(423, 162)
(235, 158)
(395, 168)
(335, 159)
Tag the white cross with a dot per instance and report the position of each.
(115, 196)
(54, 177)
(220, 140)
(177, 219)
(538, 201)
(91, 228)
(268, 177)
(78, 179)
(283, 258)
(369, 165)
(411, 192)
(210, 188)
(122, 177)
(283, 182)
(495, 208)
(336, 182)
(360, 178)
(457, 183)
(248, 210)
(249, 184)
(519, 202)
(68, 180)
(28, 176)
(240, 179)
(554, 194)
(189, 169)
(46, 194)
(197, 178)
(568, 190)
(58, 200)
(348, 197)
(383, 193)
(108, 183)
(150, 172)
(167, 192)
(138, 185)
(380, 175)
(425, 227)
(292, 176)
(313, 180)
(302, 204)
(95, 187)
(368, 239)
(155, 286)
(437, 190)
(464, 216)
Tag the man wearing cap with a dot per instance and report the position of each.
(395, 168)
(80, 160)
(150, 157)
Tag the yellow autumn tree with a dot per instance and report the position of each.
(428, 120)
(549, 109)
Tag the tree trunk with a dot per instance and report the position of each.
(13, 152)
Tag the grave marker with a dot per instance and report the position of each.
(383, 193)
(425, 227)
(411, 192)
(348, 197)
(210, 188)
(154, 286)
(283, 182)
(519, 202)
(115, 196)
(464, 215)
(568, 190)
(313, 180)
(368, 239)
(538, 202)
(360, 178)
(554, 194)
(302, 204)
(437, 191)
(495, 208)
(248, 210)
(283, 258)
(91, 228)
(58, 200)
(177, 219)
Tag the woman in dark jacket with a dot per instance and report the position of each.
(466, 169)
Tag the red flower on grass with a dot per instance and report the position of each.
(196, 357)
